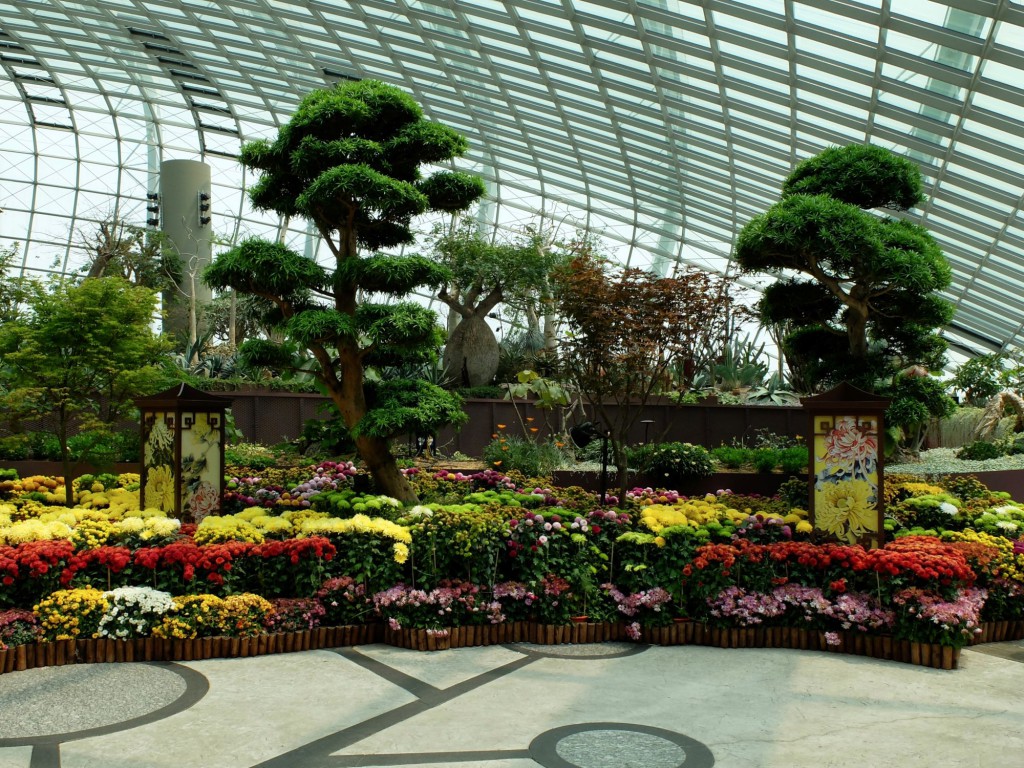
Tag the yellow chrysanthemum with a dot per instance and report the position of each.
(401, 552)
(845, 510)
(160, 488)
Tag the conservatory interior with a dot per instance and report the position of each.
(550, 383)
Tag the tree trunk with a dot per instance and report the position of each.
(379, 460)
(471, 353)
(857, 330)
(349, 397)
(621, 468)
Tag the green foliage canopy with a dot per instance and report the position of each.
(351, 161)
(864, 301)
(79, 354)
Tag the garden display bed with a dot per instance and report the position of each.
(680, 632)
(305, 548)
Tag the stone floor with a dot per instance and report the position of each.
(520, 706)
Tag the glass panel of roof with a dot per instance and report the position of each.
(847, 24)
(834, 51)
(553, 20)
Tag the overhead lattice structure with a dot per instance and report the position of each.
(663, 125)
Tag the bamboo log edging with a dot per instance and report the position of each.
(106, 650)
(680, 632)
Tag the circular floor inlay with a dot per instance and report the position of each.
(582, 650)
(618, 745)
(619, 749)
(61, 700)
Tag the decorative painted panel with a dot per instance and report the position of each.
(201, 470)
(846, 479)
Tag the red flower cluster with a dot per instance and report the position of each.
(32, 559)
(921, 559)
(209, 561)
(313, 548)
(114, 558)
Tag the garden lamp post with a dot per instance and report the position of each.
(846, 483)
(182, 452)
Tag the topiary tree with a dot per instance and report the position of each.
(350, 161)
(864, 304)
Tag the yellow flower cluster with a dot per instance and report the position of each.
(192, 616)
(33, 484)
(271, 526)
(34, 530)
(217, 530)
(89, 533)
(7, 513)
(918, 489)
(298, 517)
(207, 615)
(698, 512)
(401, 552)
(243, 615)
(375, 526)
(87, 528)
(1007, 564)
(70, 613)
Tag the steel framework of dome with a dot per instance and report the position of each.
(664, 125)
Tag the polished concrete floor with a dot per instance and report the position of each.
(520, 706)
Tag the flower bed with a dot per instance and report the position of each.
(490, 558)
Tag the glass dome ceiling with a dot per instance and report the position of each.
(663, 125)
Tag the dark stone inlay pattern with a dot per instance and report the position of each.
(619, 749)
(110, 708)
(318, 754)
(1010, 651)
(618, 745)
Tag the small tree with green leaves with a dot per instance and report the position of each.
(79, 355)
(350, 161)
(13, 289)
(139, 255)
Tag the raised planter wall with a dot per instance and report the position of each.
(759, 483)
(681, 632)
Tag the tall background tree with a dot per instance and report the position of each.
(141, 256)
(78, 355)
(625, 329)
(858, 291)
(484, 274)
(351, 161)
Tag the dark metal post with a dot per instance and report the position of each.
(604, 467)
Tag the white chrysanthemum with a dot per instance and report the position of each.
(949, 509)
